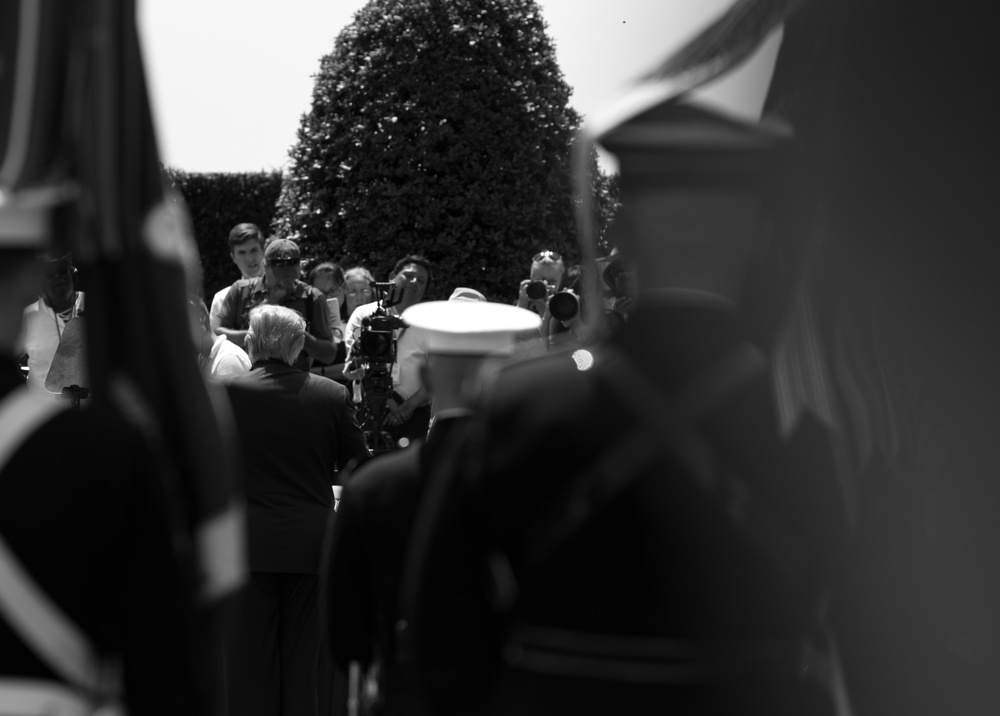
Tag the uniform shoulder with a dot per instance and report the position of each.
(373, 478)
(555, 370)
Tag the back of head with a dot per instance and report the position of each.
(697, 184)
(275, 333)
(459, 334)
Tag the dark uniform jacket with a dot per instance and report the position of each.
(652, 588)
(86, 512)
(369, 543)
(296, 430)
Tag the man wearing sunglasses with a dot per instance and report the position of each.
(45, 320)
(547, 268)
(280, 285)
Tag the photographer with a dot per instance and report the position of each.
(562, 321)
(407, 411)
(547, 272)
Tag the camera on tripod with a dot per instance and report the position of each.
(375, 348)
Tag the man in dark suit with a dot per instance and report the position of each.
(369, 538)
(297, 430)
(629, 528)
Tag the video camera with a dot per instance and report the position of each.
(375, 345)
(375, 348)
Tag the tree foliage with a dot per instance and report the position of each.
(440, 127)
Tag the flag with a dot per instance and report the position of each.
(76, 133)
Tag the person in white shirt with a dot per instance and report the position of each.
(219, 358)
(45, 320)
(246, 249)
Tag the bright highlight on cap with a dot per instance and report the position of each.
(470, 327)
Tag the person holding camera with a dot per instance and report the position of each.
(408, 412)
(562, 322)
(547, 271)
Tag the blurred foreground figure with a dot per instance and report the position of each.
(370, 533)
(45, 320)
(891, 340)
(95, 584)
(135, 526)
(626, 530)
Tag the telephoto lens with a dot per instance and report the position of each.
(536, 290)
(564, 305)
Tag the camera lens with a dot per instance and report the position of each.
(375, 343)
(564, 305)
(536, 290)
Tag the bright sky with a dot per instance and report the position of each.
(230, 79)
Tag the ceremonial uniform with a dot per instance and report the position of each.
(85, 513)
(371, 552)
(631, 570)
(365, 560)
(631, 528)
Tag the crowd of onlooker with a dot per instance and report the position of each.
(283, 341)
(327, 295)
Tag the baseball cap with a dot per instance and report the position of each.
(282, 252)
(469, 327)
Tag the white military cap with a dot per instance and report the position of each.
(469, 327)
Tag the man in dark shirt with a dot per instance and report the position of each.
(296, 429)
(280, 285)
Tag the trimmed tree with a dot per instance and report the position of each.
(439, 127)
(217, 202)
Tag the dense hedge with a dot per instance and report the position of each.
(440, 127)
(217, 202)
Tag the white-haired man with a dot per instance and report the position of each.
(297, 430)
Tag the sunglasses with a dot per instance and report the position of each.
(547, 254)
(283, 262)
